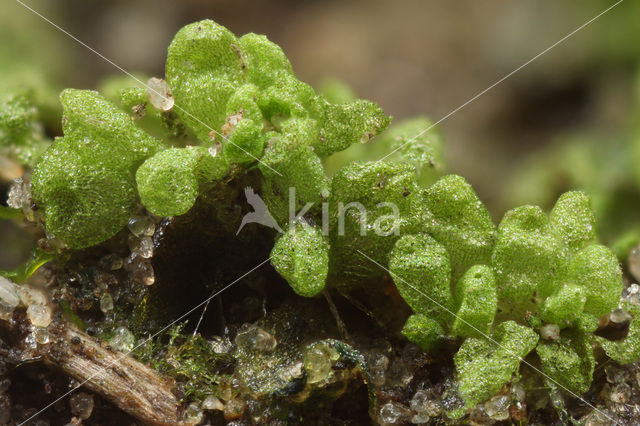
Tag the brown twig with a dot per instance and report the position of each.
(132, 386)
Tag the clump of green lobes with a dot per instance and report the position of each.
(301, 256)
(237, 92)
(86, 180)
(489, 288)
(466, 280)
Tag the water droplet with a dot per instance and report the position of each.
(81, 405)
(159, 94)
(212, 403)
(141, 226)
(393, 413)
(41, 335)
(39, 315)
(146, 248)
(123, 340)
(106, 303)
(254, 338)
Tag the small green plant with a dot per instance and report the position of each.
(536, 282)
(90, 181)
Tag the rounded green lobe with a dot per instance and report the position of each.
(85, 181)
(421, 271)
(167, 182)
(301, 256)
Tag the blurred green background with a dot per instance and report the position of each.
(567, 120)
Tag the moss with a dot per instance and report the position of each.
(301, 256)
(484, 366)
(85, 181)
(417, 142)
(596, 269)
(21, 134)
(423, 331)
(246, 142)
(203, 59)
(477, 301)
(187, 358)
(168, 183)
(573, 219)
(422, 272)
(564, 306)
(527, 258)
(362, 199)
(460, 222)
(240, 113)
(569, 362)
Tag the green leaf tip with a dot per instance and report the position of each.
(568, 362)
(573, 220)
(215, 75)
(484, 365)
(596, 269)
(423, 331)
(418, 142)
(86, 180)
(460, 222)
(21, 136)
(477, 301)
(421, 271)
(301, 256)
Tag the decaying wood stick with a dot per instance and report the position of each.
(132, 386)
(129, 384)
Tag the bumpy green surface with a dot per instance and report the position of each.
(460, 222)
(564, 306)
(422, 272)
(417, 142)
(423, 331)
(168, 181)
(85, 181)
(535, 270)
(21, 136)
(362, 199)
(596, 269)
(573, 220)
(239, 109)
(477, 301)
(203, 70)
(301, 256)
(484, 365)
(569, 362)
(528, 259)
